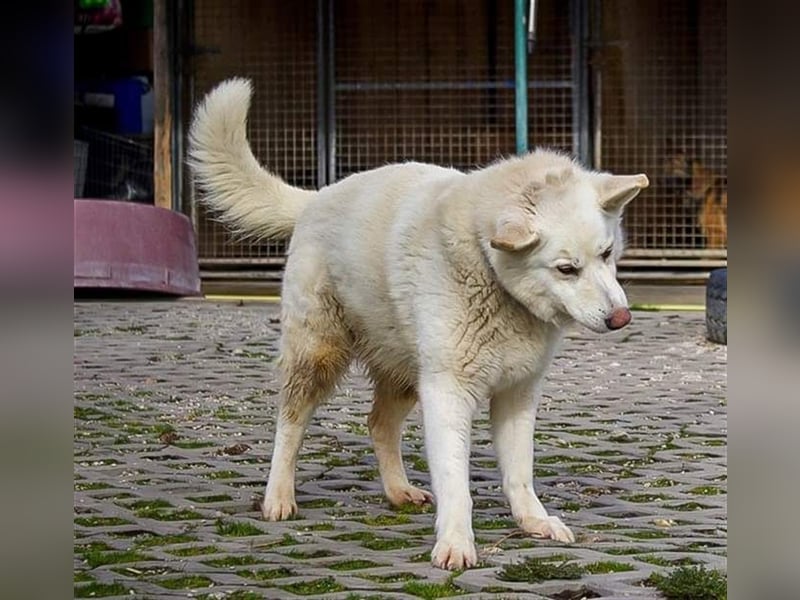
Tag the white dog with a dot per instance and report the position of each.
(450, 288)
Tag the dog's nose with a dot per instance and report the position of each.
(618, 318)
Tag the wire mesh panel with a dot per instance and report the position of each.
(661, 85)
(273, 44)
(113, 166)
(433, 81)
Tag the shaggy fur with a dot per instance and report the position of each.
(450, 288)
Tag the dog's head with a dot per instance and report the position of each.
(554, 246)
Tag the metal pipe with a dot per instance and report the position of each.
(521, 76)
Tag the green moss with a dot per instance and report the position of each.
(691, 583)
(558, 459)
(369, 540)
(162, 428)
(586, 468)
(226, 474)
(318, 503)
(144, 504)
(688, 506)
(571, 506)
(159, 514)
(496, 523)
(137, 329)
(627, 550)
(78, 332)
(392, 578)
(422, 557)
(233, 561)
(640, 498)
(433, 590)
(81, 577)
(662, 482)
(603, 526)
(354, 565)
(89, 413)
(646, 534)
(368, 474)
(141, 572)
(536, 570)
(664, 562)
(390, 543)
(236, 528)
(353, 536)
(101, 521)
(339, 461)
(88, 486)
(194, 550)
(540, 472)
(188, 582)
(96, 558)
(607, 453)
(237, 595)
(210, 499)
(326, 585)
(706, 490)
(386, 520)
(150, 540)
(418, 463)
(100, 590)
(267, 574)
(308, 554)
(608, 566)
(409, 508)
(588, 432)
(318, 527)
(190, 444)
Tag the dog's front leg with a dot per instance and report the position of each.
(513, 413)
(447, 415)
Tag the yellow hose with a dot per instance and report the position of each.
(665, 307)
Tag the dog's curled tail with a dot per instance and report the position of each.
(253, 202)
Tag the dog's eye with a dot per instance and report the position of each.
(567, 269)
(607, 254)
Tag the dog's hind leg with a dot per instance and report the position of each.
(315, 354)
(513, 413)
(390, 407)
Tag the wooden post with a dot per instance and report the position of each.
(162, 91)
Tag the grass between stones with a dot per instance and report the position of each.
(691, 583)
(433, 590)
(236, 529)
(184, 583)
(267, 574)
(100, 590)
(538, 569)
(326, 585)
(608, 566)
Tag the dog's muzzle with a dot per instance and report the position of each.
(618, 318)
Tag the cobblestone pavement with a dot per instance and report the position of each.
(175, 406)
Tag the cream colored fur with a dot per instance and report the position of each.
(450, 288)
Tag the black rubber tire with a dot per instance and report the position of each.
(717, 306)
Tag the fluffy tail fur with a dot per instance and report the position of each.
(248, 198)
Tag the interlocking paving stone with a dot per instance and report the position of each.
(175, 406)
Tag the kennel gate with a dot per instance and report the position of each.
(347, 85)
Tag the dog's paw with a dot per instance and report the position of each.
(278, 510)
(409, 495)
(454, 555)
(548, 527)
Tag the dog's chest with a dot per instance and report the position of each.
(504, 345)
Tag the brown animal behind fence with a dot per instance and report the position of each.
(706, 194)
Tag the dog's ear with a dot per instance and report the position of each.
(513, 231)
(617, 190)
